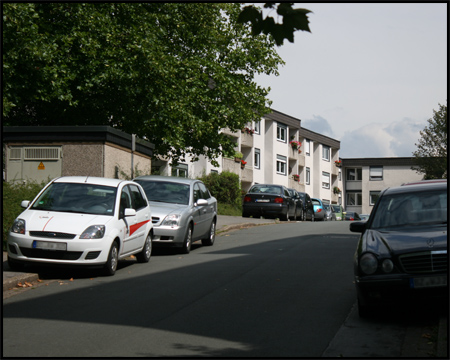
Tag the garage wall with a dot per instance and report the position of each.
(117, 163)
(82, 160)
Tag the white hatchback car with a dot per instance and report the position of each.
(79, 220)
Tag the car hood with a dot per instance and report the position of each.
(161, 210)
(397, 242)
(53, 221)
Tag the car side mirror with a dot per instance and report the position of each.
(202, 202)
(25, 203)
(358, 226)
(129, 212)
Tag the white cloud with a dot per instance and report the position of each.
(318, 124)
(396, 139)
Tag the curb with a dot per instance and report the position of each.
(12, 282)
(442, 340)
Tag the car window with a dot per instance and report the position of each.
(316, 202)
(197, 192)
(166, 191)
(204, 191)
(410, 209)
(125, 201)
(77, 198)
(266, 189)
(138, 201)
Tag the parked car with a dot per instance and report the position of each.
(183, 211)
(298, 214)
(402, 251)
(328, 213)
(364, 217)
(351, 216)
(308, 208)
(79, 220)
(319, 211)
(337, 212)
(268, 200)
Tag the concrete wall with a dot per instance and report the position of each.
(82, 160)
(117, 163)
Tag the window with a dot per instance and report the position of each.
(307, 146)
(281, 165)
(281, 132)
(354, 174)
(373, 197)
(180, 171)
(15, 154)
(354, 198)
(257, 158)
(376, 173)
(257, 127)
(325, 180)
(308, 176)
(325, 153)
(340, 175)
(137, 198)
(204, 191)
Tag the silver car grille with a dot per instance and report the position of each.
(424, 262)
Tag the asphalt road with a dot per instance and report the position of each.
(283, 290)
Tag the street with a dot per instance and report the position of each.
(283, 290)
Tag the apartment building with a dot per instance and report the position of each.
(365, 178)
(276, 150)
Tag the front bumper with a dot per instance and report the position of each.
(389, 288)
(170, 236)
(78, 252)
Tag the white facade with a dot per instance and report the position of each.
(270, 158)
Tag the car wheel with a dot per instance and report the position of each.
(186, 248)
(302, 215)
(246, 215)
(113, 260)
(209, 241)
(286, 217)
(312, 217)
(144, 255)
(15, 265)
(295, 213)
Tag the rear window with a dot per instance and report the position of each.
(266, 189)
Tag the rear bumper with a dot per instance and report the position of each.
(258, 210)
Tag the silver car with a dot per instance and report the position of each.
(183, 211)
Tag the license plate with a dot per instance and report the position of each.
(48, 245)
(262, 200)
(431, 281)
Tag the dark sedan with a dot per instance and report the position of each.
(402, 252)
(268, 200)
(351, 216)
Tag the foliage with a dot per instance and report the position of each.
(225, 187)
(293, 19)
(172, 73)
(13, 195)
(430, 157)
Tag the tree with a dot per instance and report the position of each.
(293, 19)
(173, 73)
(430, 157)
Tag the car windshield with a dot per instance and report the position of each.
(266, 189)
(77, 198)
(336, 209)
(316, 202)
(166, 191)
(411, 209)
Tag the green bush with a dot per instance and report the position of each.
(13, 194)
(225, 187)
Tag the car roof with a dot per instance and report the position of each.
(425, 182)
(420, 186)
(173, 179)
(89, 180)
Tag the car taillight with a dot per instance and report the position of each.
(247, 199)
(319, 210)
(278, 200)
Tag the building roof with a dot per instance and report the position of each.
(283, 118)
(311, 135)
(64, 134)
(386, 161)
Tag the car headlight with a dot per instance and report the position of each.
(368, 263)
(387, 265)
(18, 226)
(171, 220)
(93, 232)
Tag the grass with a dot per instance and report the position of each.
(227, 209)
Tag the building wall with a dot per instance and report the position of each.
(82, 160)
(117, 163)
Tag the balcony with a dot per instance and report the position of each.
(231, 165)
(246, 140)
(247, 174)
(227, 131)
(296, 185)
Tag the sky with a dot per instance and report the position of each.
(369, 74)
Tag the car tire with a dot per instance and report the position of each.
(15, 265)
(246, 215)
(312, 216)
(285, 217)
(146, 253)
(209, 241)
(295, 213)
(113, 260)
(303, 215)
(186, 247)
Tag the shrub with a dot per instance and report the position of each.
(13, 194)
(225, 187)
